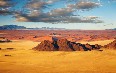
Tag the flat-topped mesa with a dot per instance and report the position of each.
(63, 44)
(111, 45)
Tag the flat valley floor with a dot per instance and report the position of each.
(22, 59)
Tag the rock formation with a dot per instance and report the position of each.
(2, 40)
(64, 45)
(45, 45)
(111, 45)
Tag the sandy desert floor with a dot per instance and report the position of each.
(71, 35)
(24, 60)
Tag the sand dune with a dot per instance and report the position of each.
(24, 60)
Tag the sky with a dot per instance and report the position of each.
(69, 14)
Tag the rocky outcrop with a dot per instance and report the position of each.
(64, 45)
(45, 45)
(4, 40)
(111, 45)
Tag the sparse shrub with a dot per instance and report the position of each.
(7, 55)
(9, 48)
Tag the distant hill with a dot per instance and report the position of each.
(114, 29)
(111, 29)
(16, 27)
(11, 27)
(46, 28)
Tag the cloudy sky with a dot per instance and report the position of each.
(70, 14)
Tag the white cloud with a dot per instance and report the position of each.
(36, 10)
(84, 5)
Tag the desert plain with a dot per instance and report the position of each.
(22, 59)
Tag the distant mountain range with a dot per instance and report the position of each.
(114, 29)
(111, 29)
(16, 27)
(11, 27)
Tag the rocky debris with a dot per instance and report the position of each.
(64, 45)
(55, 34)
(35, 36)
(21, 38)
(4, 40)
(111, 45)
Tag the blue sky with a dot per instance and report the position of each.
(78, 14)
